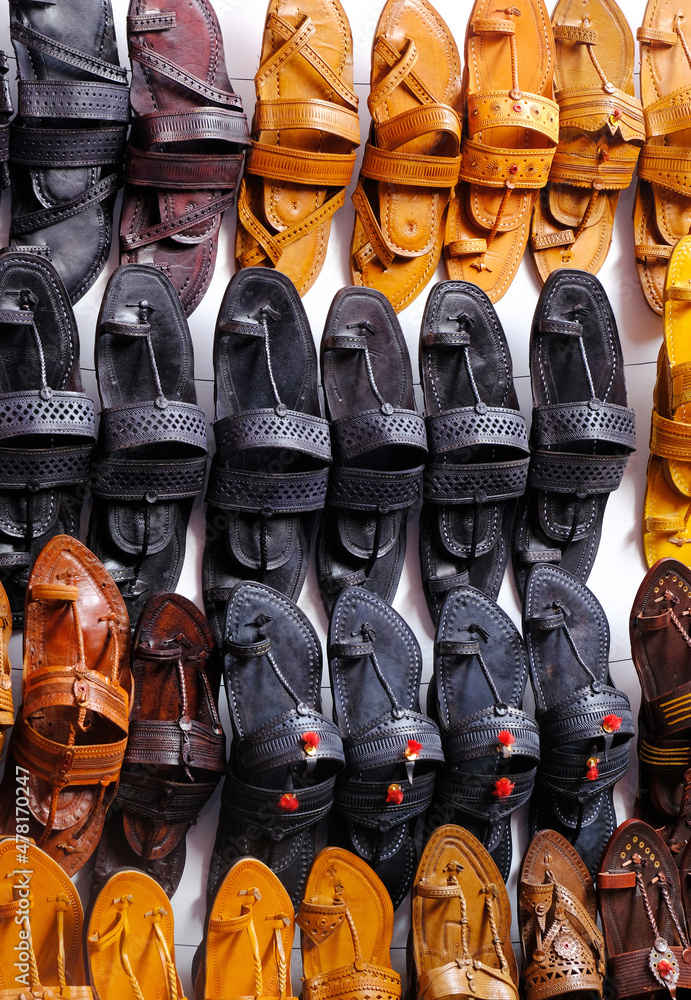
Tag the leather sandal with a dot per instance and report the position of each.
(130, 943)
(491, 746)
(269, 474)
(151, 455)
(48, 431)
(41, 923)
(249, 931)
(346, 919)
(461, 922)
(562, 947)
(6, 110)
(304, 134)
(67, 142)
(510, 134)
(71, 730)
(391, 749)
(284, 755)
(640, 903)
(585, 722)
(478, 444)
(582, 431)
(6, 702)
(601, 132)
(379, 445)
(186, 146)
(411, 161)
(663, 196)
(175, 748)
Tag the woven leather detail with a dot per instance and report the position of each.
(136, 424)
(477, 736)
(264, 492)
(373, 429)
(364, 802)
(162, 801)
(273, 428)
(64, 99)
(472, 425)
(473, 794)
(385, 739)
(363, 489)
(672, 113)
(178, 744)
(591, 110)
(566, 423)
(496, 109)
(124, 479)
(394, 167)
(579, 717)
(44, 468)
(297, 166)
(587, 168)
(258, 808)
(325, 116)
(566, 472)
(668, 166)
(61, 412)
(670, 439)
(488, 482)
(279, 742)
(632, 973)
(495, 167)
(37, 147)
(364, 982)
(224, 124)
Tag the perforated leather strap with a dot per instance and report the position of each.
(566, 423)
(52, 411)
(364, 489)
(209, 212)
(588, 110)
(272, 116)
(668, 166)
(372, 429)
(477, 737)
(474, 794)
(385, 740)
(96, 193)
(153, 60)
(480, 482)
(357, 982)
(466, 426)
(34, 147)
(282, 743)
(563, 772)
(276, 427)
(580, 716)
(413, 169)
(681, 374)
(416, 122)
(671, 113)
(72, 57)
(275, 493)
(45, 468)
(140, 423)
(494, 109)
(125, 479)
(609, 169)
(567, 472)
(69, 99)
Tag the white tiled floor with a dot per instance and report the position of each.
(619, 566)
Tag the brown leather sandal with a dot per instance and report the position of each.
(71, 732)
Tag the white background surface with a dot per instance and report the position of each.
(619, 567)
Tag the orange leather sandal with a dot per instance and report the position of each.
(509, 137)
(601, 131)
(304, 133)
(411, 162)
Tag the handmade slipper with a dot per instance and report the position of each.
(491, 746)
(601, 131)
(379, 445)
(391, 749)
(130, 944)
(151, 455)
(67, 143)
(284, 753)
(249, 931)
(187, 143)
(269, 474)
(175, 747)
(346, 919)
(478, 445)
(305, 131)
(663, 197)
(461, 922)
(585, 722)
(641, 909)
(510, 133)
(41, 922)
(6, 702)
(412, 160)
(563, 950)
(582, 431)
(6, 109)
(71, 730)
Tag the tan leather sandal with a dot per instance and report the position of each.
(601, 131)
(130, 942)
(6, 703)
(411, 162)
(662, 210)
(304, 132)
(509, 136)
(461, 922)
(346, 920)
(250, 930)
(41, 922)
(563, 950)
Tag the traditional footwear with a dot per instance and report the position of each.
(663, 196)
(585, 722)
(269, 474)
(6, 703)
(175, 748)
(71, 730)
(65, 178)
(412, 159)
(491, 746)
(509, 137)
(461, 922)
(41, 922)
(187, 144)
(563, 950)
(391, 749)
(601, 131)
(379, 445)
(304, 133)
(249, 931)
(582, 431)
(6, 110)
(130, 944)
(478, 462)
(346, 919)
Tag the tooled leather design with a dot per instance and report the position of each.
(44, 468)
(465, 426)
(495, 167)
(144, 168)
(162, 801)
(67, 99)
(279, 493)
(478, 483)
(563, 773)
(319, 922)
(566, 423)
(185, 742)
(273, 428)
(68, 147)
(667, 166)
(258, 807)
(280, 742)
(366, 489)
(46, 411)
(474, 794)
(185, 126)
(125, 480)
(671, 113)
(580, 716)
(567, 472)
(353, 982)
(364, 802)
(491, 109)
(147, 422)
(477, 736)
(373, 429)
(384, 740)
